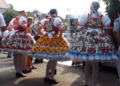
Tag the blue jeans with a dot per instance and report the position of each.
(9, 55)
(2, 32)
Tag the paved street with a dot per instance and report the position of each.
(66, 75)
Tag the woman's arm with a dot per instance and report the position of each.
(117, 36)
(9, 28)
(61, 29)
(107, 30)
(30, 31)
(39, 31)
(24, 27)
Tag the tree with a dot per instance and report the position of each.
(11, 6)
(111, 9)
(35, 11)
(8, 15)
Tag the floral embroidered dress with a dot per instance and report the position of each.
(7, 32)
(93, 43)
(51, 45)
(18, 40)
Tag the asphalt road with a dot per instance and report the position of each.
(66, 75)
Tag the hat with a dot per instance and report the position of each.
(29, 18)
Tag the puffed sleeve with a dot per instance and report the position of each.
(2, 21)
(22, 20)
(11, 24)
(82, 21)
(42, 22)
(116, 27)
(106, 22)
(58, 21)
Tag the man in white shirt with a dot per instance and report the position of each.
(2, 25)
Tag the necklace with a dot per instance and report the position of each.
(91, 19)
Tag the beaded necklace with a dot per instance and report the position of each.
(50, 24)
(97, 17)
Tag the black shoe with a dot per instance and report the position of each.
(38, 61)
(46, 80)
(9, 56)
(53, 81)
(54, 72)
(20, 75)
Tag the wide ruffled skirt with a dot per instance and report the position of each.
(17, 41)
(92, 46)
(53, 49)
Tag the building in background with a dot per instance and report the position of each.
(3, 6)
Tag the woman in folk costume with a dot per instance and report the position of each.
(6, 34)
(19, 42)
(10, 28)
(93, 44)
(51, 45)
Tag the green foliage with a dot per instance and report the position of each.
(111, 9)
(11, 6)
(8, 15)
(35, 11)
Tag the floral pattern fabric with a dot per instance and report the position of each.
(55, 47)
(92, 44)
(19, 42)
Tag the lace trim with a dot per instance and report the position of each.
(98, 58)
(55, 56)
(15, 50)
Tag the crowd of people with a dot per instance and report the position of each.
(91, 45)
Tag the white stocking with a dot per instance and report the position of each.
(15, 61)
(53, 65)
(95, 72)
(48, 69)
(56, 65)
(19, 63)
(87, 71)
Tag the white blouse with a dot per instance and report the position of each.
(83, 19)
(57, 21)
(22, 19)
(11, 24)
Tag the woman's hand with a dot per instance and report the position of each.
(39, 31)
(61, 29)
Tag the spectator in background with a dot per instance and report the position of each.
(2, 26)
(27, 60)
(116, 32)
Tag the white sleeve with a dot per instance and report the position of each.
(22, 20)
(42, 22)
(2, 22)
(11, 24)
(82, 21)
(57, 21)
(106, 22)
